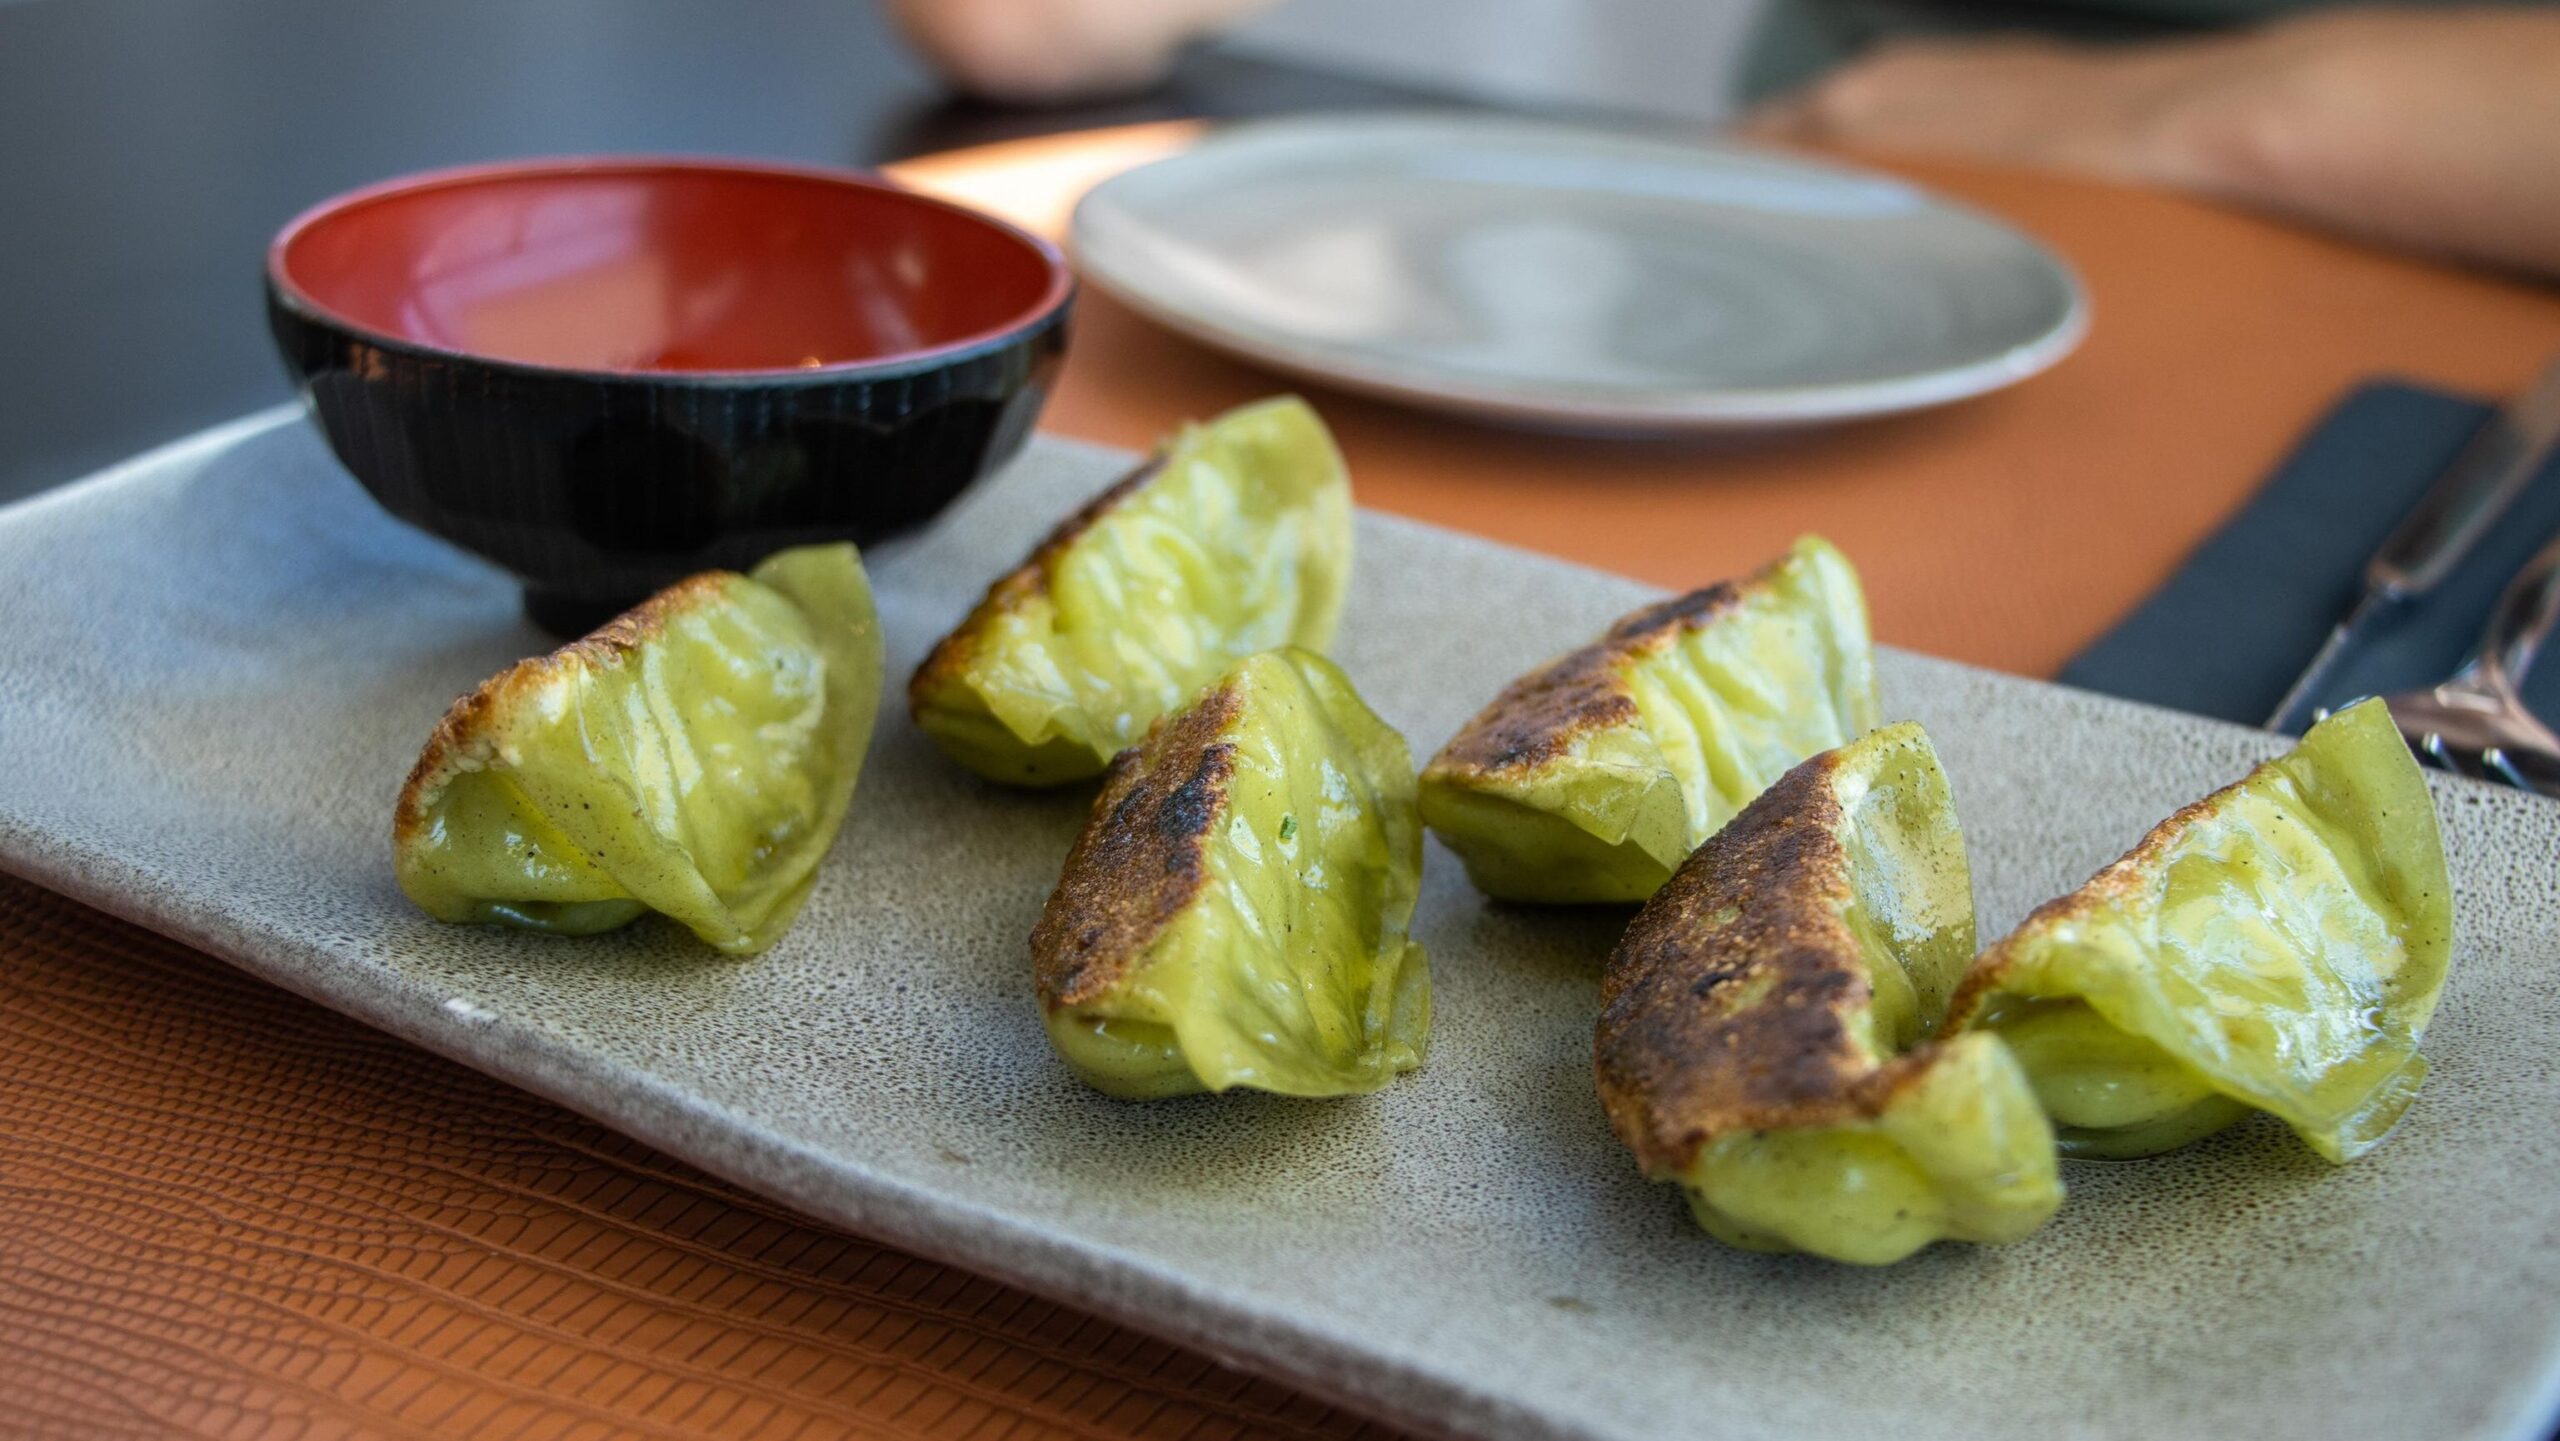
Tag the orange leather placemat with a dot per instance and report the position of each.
(224, 1211)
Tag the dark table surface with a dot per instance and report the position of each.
(148, 150)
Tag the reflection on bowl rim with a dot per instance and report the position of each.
(291, 296)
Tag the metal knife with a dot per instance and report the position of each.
(2492, 470)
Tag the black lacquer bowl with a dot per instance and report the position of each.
(605, 375)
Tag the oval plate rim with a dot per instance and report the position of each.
(1614, 411)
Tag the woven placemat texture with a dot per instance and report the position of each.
(225, 1211)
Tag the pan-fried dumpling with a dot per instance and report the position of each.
(1235, 912)
(2277, 946)
(1593, 777)
(695, 757)
(1761, 1028)
(1235, 539)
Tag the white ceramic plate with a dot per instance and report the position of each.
(1532, 273)
(218, 662)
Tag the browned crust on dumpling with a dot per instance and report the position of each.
(1706, 1029)
(2117, 880)
(950, 656)
(469, 723)
(1538, 716)
(1143, 855)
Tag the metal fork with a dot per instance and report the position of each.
(2475, 722)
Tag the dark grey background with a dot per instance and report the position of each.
(148, 148)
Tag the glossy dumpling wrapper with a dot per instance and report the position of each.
(1762, 1023)
(2277, 946)
(695, 756)
(1234, 539)
(1236, 911)
(1594, 777)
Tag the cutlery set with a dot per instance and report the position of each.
(2475, 722)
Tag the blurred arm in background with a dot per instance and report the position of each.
(1036, 52)
(2433, 130)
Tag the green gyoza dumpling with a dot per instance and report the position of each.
(1235, 912)
(695, 757)
(1235, 539)
(2277, 946)
(1593, 777)
(1761, 1028)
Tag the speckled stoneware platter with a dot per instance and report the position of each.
(218, 660)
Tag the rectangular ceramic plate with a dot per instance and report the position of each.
(218, 661)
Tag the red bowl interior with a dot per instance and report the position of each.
(686, 266)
